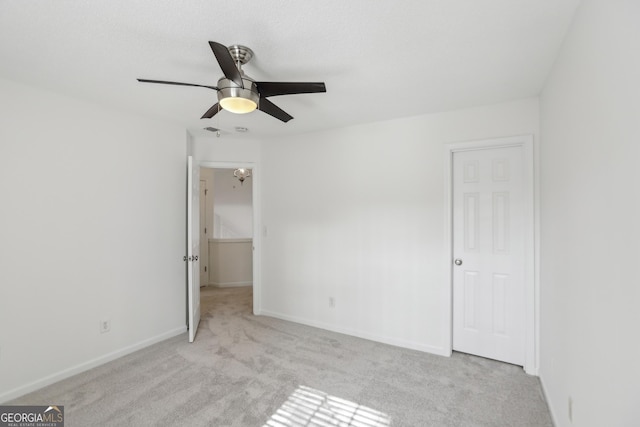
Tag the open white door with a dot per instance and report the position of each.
(193, 247)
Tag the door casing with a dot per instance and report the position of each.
(531, 267)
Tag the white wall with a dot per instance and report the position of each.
(91, 227)
(231, 262)
(361, 221)
(590, 110)
(232, 205)
(230, 152)
(229, 149)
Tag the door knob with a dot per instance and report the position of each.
(457, 261)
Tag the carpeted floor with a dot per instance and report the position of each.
(248, 371)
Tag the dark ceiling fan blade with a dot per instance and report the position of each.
(227, 63)
(175, 83)
(273, 110)
(288, 88)
(211, 111)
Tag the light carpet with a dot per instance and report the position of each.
(246, 370)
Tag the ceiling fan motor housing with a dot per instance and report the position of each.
(240, 53)
(229, 92)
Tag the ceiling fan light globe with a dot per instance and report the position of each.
(237, 99)
(238, 105)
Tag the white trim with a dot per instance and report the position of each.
(411, 345)
(257, 222)
(230, 284)
(545, 396)
(225, 240)
(85, 366)
(531, 266)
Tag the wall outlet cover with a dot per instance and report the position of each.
(105, 326)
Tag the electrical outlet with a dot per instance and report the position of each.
(105, 326)
(332, 302)
(570, 409)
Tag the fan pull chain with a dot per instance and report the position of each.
(218, 124)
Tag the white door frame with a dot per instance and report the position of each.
(531, 273)
(255, 203)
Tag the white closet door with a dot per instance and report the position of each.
(489, 253)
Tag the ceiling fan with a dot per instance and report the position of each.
(239, 93)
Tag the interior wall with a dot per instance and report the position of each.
(91, 225)
(589, 220)
(353, 219)
(229, 149)
(227, 152)
(232, 205)
(231, 262)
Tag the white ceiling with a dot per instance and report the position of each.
(379, 59)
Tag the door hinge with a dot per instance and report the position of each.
(205, 230)
(205, 268)
(205, 191)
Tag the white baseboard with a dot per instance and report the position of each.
(69, 372)
(411, 345)
(546, 400)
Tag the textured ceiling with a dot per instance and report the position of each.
(379, 59)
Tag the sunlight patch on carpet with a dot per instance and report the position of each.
(309, 407)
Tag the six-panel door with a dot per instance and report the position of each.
(488, 244)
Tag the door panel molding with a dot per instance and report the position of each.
(204, 234)
(530, 284)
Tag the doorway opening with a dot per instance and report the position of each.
(226, 228)
(229, 228)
